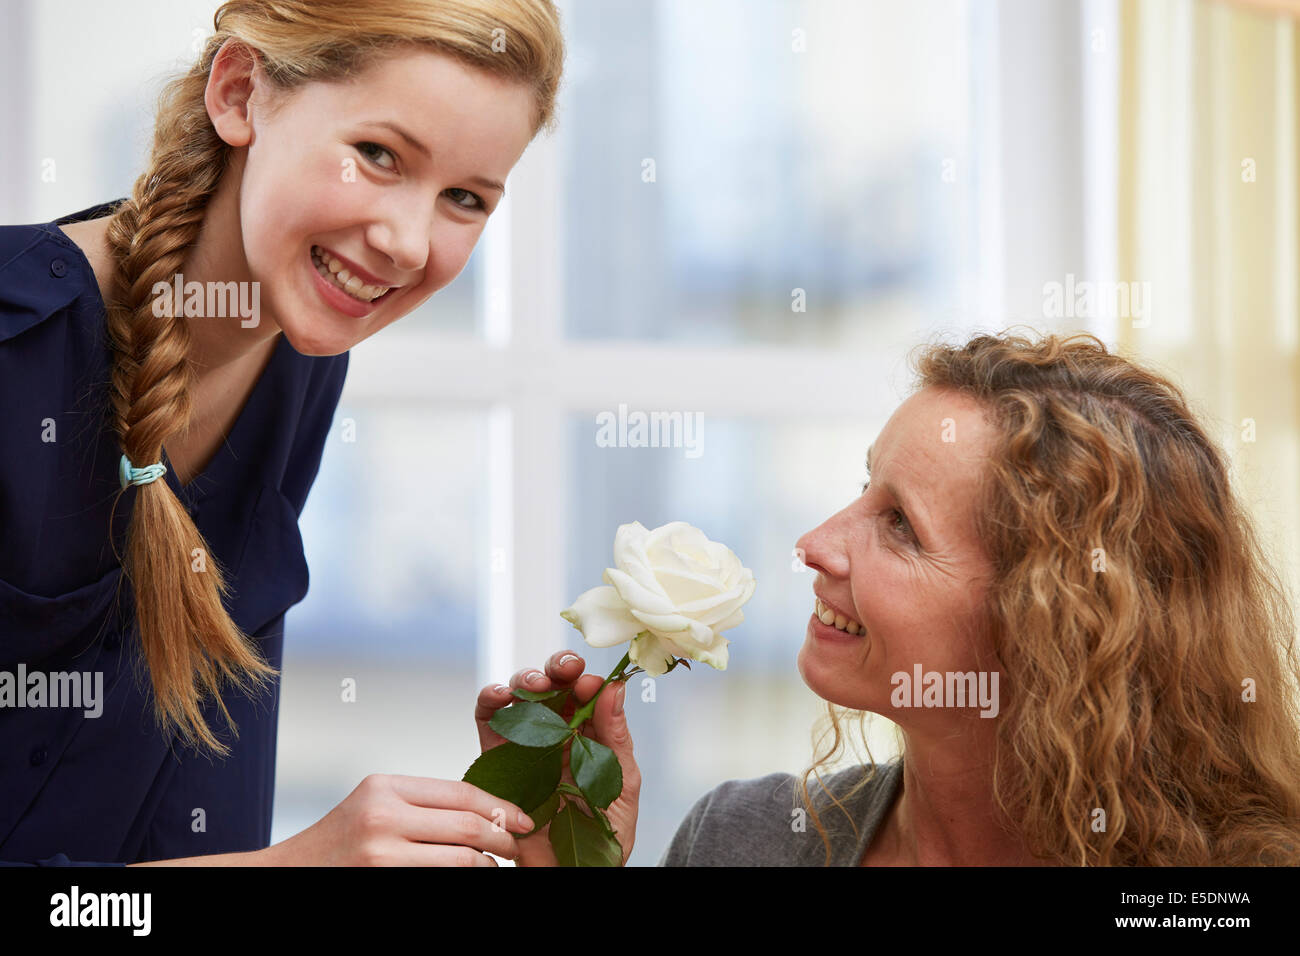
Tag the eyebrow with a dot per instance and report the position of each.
(907, 507)
(424, 150)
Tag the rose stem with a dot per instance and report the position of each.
(584, 712)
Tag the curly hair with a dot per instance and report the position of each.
(190, 644)
(1146, 639)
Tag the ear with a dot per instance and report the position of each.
(234, 75)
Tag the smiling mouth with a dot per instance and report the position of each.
(334, 272)
(837, 621)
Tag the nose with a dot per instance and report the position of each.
(824, 548)
(404, 235)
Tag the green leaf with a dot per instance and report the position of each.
(579, 840)
(536, 695)
(526, 776)
(596, 769)
(571, 790)
(603, 820)
(554, 699)
(542, 815)
(530, 724)
(557, 703)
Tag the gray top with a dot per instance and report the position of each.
(761, 822)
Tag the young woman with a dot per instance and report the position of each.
(334, 163)
(1053, 514)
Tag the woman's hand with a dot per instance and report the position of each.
(393, 820)
(608, 726)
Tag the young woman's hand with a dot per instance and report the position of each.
(608, 726)
(393, 820)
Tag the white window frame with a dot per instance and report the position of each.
(529, 378)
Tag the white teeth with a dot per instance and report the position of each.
(332, 269)
(838, 621)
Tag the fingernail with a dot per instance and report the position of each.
(566, 658)
(618, 699)
(501, 689)
(533, 678)
(525, 821)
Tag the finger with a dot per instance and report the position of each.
(458, 828)
(587, 685)
(427, 854)
(609, 720)
(610, 724)
(530, 678)
(491, 699)
(458, 795)
(564, 667)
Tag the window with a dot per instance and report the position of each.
(751, 210)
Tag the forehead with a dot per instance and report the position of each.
(453, 108)
(934, 449)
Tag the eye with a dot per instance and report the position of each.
(383, 149)
(905, 530)
(478, 200)
(457, 195)
(900, 525)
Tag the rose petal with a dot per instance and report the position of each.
(689, 542)
(703, 635)
(715, 657)
(746, 590)
(631, 557)
(653, 654)
(682, 631)
(664, 535)
(663, 623)
(603, 618)
(721, 555)
(665, 559)
(683, 589)
(716, 608)
(635, 595)
(727, 624)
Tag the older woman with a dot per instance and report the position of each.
(1051, 590)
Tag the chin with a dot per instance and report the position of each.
(828, 682)
(814, 674)
(315, 347)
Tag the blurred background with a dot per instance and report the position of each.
(750, 212)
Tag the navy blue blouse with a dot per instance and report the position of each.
(110, 788)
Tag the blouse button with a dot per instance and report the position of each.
(38, 756)
(58, 268)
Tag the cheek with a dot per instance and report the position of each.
(913, 617)
(279, 211)
(451, 245)
(886, 590)
(324, 198)
(280, 167)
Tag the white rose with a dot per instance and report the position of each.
(672, 594)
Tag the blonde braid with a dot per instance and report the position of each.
(188, 639)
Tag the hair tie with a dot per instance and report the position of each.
(139, 476)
